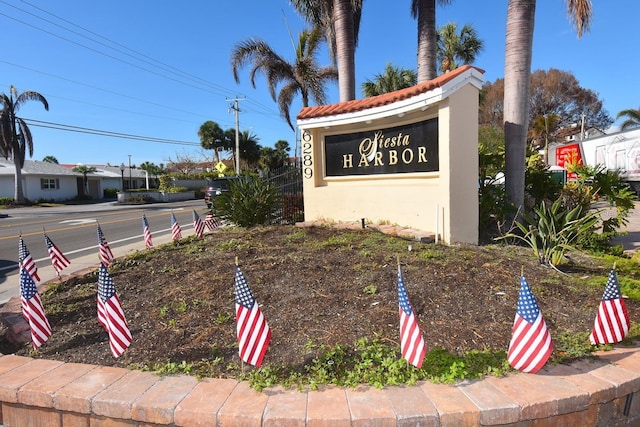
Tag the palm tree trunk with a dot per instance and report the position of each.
(517, 72)
(345, 49)
(18, 194)
(426, 40)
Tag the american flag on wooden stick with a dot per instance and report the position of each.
(103, 247)
(412, 344)
(110, 314)
(211, 221)
(531, 345)
(176, 231)
(26, 261)
(32, 310)
(198, 225)
(146, 232)
(612, 321)
(58, 259)
(252, 329)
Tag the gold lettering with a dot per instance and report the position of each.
(407, 156)
(347, 161)
(393, 157)
(363, 161)
(378, 161)
(422, 154)
(367, 148)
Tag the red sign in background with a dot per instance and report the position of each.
(568, 155)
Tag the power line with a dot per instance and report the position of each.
(106, 133)
(221, 90)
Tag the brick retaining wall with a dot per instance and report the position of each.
(38, 392)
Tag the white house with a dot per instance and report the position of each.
(40, 180)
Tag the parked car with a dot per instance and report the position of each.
(216, 187)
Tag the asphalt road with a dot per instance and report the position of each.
(73, 230)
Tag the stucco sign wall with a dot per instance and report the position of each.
(400, 149)
(407, 158)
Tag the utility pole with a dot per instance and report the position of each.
(234, 106)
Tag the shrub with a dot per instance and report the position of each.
(248, 202)
(550, 232)
(6, 201)
(110, 193)
(166, 181)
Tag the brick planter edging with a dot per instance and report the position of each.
(40, 392)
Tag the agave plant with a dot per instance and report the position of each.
(550, 232)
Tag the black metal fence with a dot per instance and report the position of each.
(287, 181)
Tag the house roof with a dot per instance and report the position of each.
(34, 167)
(110, 171)
(384, 99)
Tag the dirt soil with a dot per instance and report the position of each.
(316, 286)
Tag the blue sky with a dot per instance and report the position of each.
(161, 69)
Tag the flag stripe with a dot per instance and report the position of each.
(412, 345)
(58, 259)
(252, 330)
(33, 311)
(110, 314)
(611, 324)
(147, 232)
(531, 345)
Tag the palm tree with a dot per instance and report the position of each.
(84, 170)
(16, 136)
(542, 128)
(425, 12)
(304, 76)
(50, 159)
(393, 78)
(340, 21)
(249, 148)
(211, 137)
(455, 49)
(632, 118)
(517, 71)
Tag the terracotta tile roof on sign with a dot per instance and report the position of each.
(380, 100)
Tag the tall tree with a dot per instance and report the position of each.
(340, 21)
(211, 138)
(517, 71)
(249, 149)
(541, 132)
(303, 77)
(50, 159)
(551, 91)
(632, 118)
(152, 168)
(84, 170)
(425, 12)
(457, 48)
(393, 78)
(16, 136)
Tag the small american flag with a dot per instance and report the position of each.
(411, 341)
(147, 233)
(531, 344)
(105, 251)
(612, 321)
(110, 314)
(176, 232)
(252, 329)
(26, 261)
(211, 221)
(32, 310)
(58, 259)
(198, 225)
